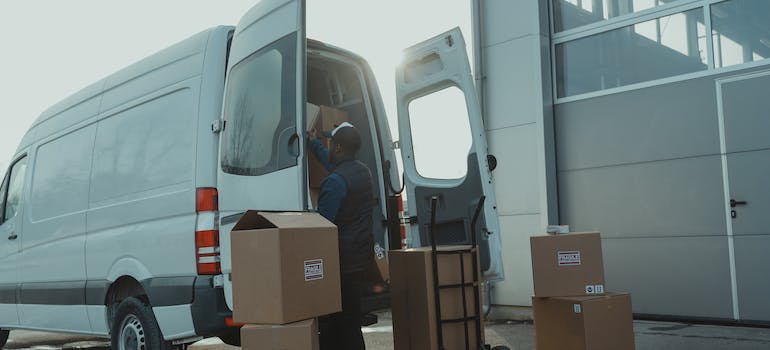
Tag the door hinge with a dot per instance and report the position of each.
(217, 126)
(396, 145)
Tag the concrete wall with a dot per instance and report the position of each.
(514, 49)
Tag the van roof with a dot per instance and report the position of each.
(185, 48)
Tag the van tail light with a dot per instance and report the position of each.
(207, 255)
(230, 323)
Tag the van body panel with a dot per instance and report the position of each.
(97, 317)
(429, 67)
(54, 318)
(210, 106)
(9, 254)
(175, 321)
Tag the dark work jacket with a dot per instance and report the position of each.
(354, 218)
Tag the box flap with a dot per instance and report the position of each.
(296, 219)
(255, 220)
(252, 220)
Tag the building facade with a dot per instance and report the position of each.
(646, 120)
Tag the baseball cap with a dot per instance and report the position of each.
(346, 135)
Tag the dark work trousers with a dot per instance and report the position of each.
(342, 331)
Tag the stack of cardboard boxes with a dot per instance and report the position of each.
(571, 308)
(285, 273)
(413, 301)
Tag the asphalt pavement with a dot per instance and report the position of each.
(518, 335)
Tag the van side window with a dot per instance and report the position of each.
(260, 111)
(15, 187)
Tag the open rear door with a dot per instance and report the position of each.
(261, 155)
(260, 164)
(444, 149)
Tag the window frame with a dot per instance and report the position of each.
(288, 74)
(7, 184)
(442, 87)
(4, 194)
(632, 19)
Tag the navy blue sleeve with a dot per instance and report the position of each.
(333, 192)
(321, 153)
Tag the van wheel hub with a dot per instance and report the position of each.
(132, 334)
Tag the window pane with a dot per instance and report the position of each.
(16, 185)
(741, 31)
(261, 111)
(570, 14)
(62, 172)
(655, 49)
(441, 134)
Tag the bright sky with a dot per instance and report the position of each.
(53, 48)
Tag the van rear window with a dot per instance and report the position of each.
(260, 110)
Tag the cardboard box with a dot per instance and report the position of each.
(567, 265)
(413, 299)
(326, 119)
(584, 323)
(285, 267)
(380, 272)
(301, 335)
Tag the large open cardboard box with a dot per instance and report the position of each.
(285, 267)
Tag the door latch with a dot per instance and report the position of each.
(733, 204)
(217, 126)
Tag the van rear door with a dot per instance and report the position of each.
(435, 98)
(261, 155)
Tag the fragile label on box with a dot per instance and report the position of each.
(569, 258)
(314, 269)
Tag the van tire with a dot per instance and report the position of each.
(135, 327)
(4, 337)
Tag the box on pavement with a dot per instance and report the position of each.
(326, 119)
(285, 267)
(567, 264)
(302, 335)
(413, 299)
(584, 322)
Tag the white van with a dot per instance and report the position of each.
(119, 202)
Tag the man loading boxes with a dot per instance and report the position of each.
(289, 268)
(346, 199)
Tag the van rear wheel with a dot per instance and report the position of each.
(135, 328)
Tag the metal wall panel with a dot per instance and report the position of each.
(664, 122)
(751, 266)
(676, 276)
(682, 197)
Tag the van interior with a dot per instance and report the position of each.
(334, 82)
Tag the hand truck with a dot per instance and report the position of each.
(475, 282)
